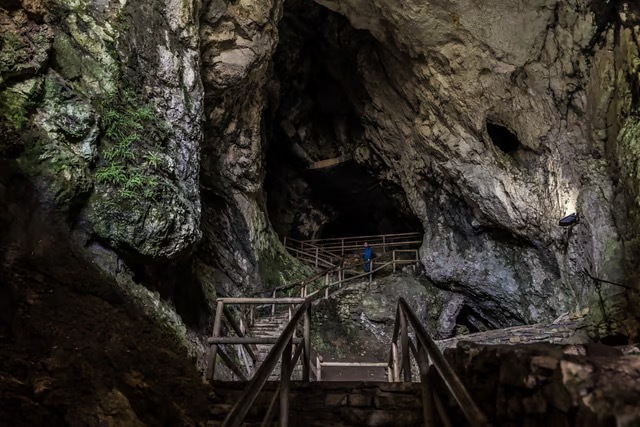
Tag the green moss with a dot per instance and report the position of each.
(13, 52)
(277, 267)
(13, 109)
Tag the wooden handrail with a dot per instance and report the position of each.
(259, 301)
(329, 239)
(239, 411)
(474, 416)
(238, 331)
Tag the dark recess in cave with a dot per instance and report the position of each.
(317, 116)
(465, 319)
(503, 138)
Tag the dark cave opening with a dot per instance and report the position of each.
(503, 138)
(316, 117)
(468, 321)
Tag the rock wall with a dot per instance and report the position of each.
(238, 41)
(448, 88)
(105, 101)
(544, 384)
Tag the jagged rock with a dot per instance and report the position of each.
(540, 384)
(237, 41)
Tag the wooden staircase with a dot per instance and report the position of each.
(270, 327)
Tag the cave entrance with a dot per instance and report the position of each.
(315, 187)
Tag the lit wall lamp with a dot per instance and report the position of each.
(569, 220)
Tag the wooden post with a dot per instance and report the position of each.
(396, 368)
(273, 306)
(394, 261)
(427, 389)
(285, 241)
(251, 316)
(306, 351)
(384, 244)
(404, 343)
(266, 421)
(318, 369)
(389, 375)
(317, 253)
(444, 416)
(213, 349)
(370, 271)
(342, 246)
(290, 314)
(285, 378)
(326, 292)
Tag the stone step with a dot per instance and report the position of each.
(332, 404)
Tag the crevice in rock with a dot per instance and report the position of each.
(503, 138)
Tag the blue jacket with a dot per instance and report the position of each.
(368, 253)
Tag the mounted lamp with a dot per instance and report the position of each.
(569, 220)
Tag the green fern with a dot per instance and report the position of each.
(127, 126)
(112, 174)
(153, 159)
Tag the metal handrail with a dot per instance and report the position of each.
(281, 349)
(470, 409)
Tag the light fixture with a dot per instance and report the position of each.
(569, 220)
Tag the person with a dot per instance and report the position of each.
(368, 256)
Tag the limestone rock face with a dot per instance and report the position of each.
(483, 115)
(238, 41)
(105, 101)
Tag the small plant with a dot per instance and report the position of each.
(113, 174)
(153, 159)
(129, 129)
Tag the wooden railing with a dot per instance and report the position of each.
(282, 350)
(337, 276)
(394, 260)
(312, 254)
(433, 367)
(247, 342)
(347, 245)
